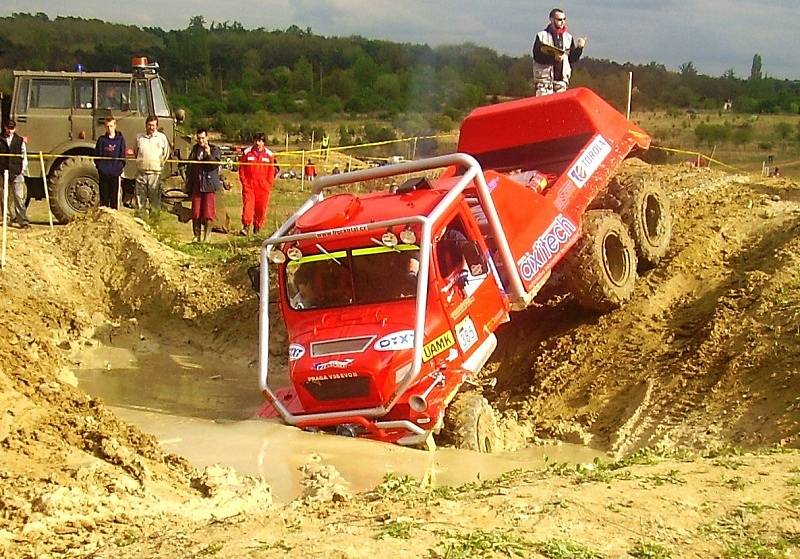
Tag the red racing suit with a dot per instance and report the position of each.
(257, 174)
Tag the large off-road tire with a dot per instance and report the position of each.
(74, 188)
(644, 207)
(600, 269)
(471, 423)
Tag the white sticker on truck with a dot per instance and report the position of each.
(589, 160)
(466, 334)
(404, 339)
(296, 351)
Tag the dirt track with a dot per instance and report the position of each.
(706, 356)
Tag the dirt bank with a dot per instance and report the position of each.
(705, 356)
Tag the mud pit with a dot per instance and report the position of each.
(704, 358)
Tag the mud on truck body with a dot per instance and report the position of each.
(381, 350)
(62, 114)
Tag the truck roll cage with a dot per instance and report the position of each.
(472, 172)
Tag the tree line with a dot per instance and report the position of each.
(225, 74)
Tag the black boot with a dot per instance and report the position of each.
(196, 231)
(205, 231)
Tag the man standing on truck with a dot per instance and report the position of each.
(554, 52)
(14, 159)
(257, 169)
(152, 151)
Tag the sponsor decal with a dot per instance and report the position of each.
(466, 334)
(492, 184)
(546, 247)
(342, 231)
(437, 346)
(296, 351)
(564, 195)
(589, 160)
(404, 339)
(335, 364)
(332, 376)
(462, 306)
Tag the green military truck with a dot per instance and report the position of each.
(61, 114)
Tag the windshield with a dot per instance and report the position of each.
(160, 105)
(358, 276)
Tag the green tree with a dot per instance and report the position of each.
(755, 67)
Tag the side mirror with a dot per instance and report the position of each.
(475, 260)
(254, 273)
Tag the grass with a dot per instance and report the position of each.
(399, 529)
(566, 549)
(676, 130)
(649, 550)
(481, 543)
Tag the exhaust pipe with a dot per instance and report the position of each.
(419, 402)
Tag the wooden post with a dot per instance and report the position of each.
(5, 220)
(302, 170)
(46, 190)
(287, 141)
(414, 149)
(312, 142)
(630, 94)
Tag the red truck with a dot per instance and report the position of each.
(391, 298)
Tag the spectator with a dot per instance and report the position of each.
(310, 171)
(203, 180)
(14, 159)
(257, 168)
(336, 170)
(152, 151)
(554, 51)
(111, 148)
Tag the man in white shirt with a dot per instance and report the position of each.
(14, 159)
(152, 150)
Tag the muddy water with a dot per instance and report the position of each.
(200, 407)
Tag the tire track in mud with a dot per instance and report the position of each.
(660, 370)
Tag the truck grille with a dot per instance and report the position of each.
(344, 345)
(338, 389)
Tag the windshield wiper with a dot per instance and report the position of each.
(326, 253)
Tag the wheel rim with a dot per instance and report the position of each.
(82, 194)
(615, 259)
(652, 219)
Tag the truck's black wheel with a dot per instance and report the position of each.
(644, 207)
(471, 423)
(74, 188)
(601, 266)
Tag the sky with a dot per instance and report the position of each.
(715, 35)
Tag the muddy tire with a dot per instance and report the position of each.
(74, 188)
(601, 267)
(644, 207)
(471, 423)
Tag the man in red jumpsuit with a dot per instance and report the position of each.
(257, 174)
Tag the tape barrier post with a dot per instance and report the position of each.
(119, 192)
(5, 219)
(46, 190)
(302, 171)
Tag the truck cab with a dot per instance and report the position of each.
(61, 114)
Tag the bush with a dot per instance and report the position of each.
(783, 130)
(711, 133)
